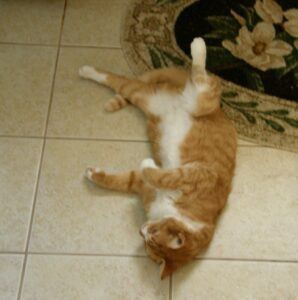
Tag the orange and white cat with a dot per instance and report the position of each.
(187, 184)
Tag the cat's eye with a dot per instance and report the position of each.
(153, 230)
(179, 241)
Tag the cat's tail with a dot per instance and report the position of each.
(209, 86)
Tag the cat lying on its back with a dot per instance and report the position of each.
(194, 148)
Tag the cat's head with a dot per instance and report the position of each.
(170, 243)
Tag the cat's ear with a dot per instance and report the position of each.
(177, 241)
(167, 268)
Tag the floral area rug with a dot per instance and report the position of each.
(252, 47)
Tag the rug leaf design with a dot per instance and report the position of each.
(249, 110)
(292, 122)
(219, 58)
(274, 125)
(259, 98)
(292, 65)
(249, 15)
(250, 118)
(175, 59)
(155, 58)
(254, 81)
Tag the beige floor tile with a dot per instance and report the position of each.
(72, 214)
(260, 220)
(31, 21)
(77, 109)
(10, 273)
(19, 161)
(94, 22)
(236, 280)
(81, 277)
(26, 77)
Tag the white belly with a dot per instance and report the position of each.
(174, 127)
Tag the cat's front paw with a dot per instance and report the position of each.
(148, 163)
(90, 171)
(87, 71)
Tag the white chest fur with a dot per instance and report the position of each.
(164, 207)
(175, 125)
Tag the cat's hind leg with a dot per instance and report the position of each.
(199, 53)
(91, 73)
(133, 90)
(116, 103)
(113, 104)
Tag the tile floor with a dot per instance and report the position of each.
(62, 238)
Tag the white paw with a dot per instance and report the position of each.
(148, 163)
(90, 171)
(87, 71)
(198, 52)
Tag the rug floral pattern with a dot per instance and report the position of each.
(261, 38)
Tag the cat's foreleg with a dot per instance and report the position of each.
(185, 178)
(129, 182)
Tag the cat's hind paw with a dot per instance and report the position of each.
(148, 163)
(86, 71)
(199, 52)
(116, 103)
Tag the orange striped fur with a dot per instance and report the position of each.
(186, 185)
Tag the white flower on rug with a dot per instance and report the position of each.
(259, 48)
(269, 11)
(291, 26)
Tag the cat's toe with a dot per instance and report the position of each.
(88, 173)
(148, 163)
(86, 71)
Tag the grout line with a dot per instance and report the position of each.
(90, 46)
(88, 254)
(31, 220)
(146, 256)
(28, 44)
(40, 162)
(20, 136)
(113, 140)
(60, 45)
(96, 139)
(248, 260)
(11, 253)
(171, 287)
